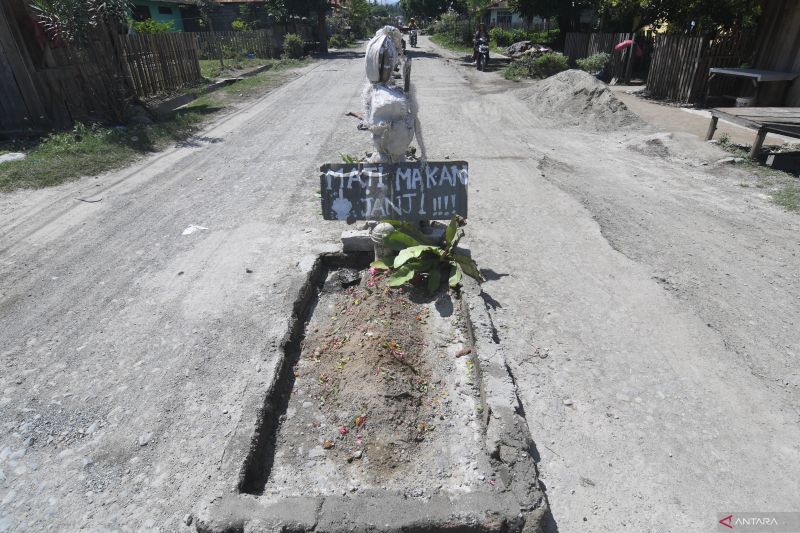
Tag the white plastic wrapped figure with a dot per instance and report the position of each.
(390, 115)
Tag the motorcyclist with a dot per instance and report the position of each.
(412, 28)
(480, 33)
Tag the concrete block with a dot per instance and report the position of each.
(356, 241)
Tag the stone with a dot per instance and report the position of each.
(348, 276)
(145, 439)
(13, 156)
(188, 519)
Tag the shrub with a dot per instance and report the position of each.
(338, 41)
(151, 26)
(595, 63)
(545, 37)
(548, 64)
(518, 35)
(504, 38)
(537, 67)
(293, 46)
(500, 37)
(240, 25)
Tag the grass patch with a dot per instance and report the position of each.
(781, 186)
(254, 85)
(210, 68)
(743, 152)
(787, 197)
(515, 71)
(91, 149)
(447, 41)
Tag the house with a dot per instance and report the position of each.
(499, 14)
(159, 10)
(185, 16)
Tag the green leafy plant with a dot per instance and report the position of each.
(417, 256)
(240, 25)
(594, 63)
(338, 41)
(349, 159)
(73, 20)
(293, 46)
(149, 26)
(500, 37)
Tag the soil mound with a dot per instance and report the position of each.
(384, 395)
(576, 98)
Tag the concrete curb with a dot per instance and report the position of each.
(515, 503)
(181, 100)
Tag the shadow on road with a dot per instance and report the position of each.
(342, 54)
(418, 53)
(496, 64)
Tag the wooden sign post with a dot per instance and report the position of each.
(394, 191)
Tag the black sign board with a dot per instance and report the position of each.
(394, 191)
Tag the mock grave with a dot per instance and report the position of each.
(390, 407)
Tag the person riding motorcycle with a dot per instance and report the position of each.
(480, 32)
(412, 30)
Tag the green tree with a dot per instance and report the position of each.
(74, 20)
(567, 12)
(359, 11)
(285, 9)
(632, 15)
(431, 8)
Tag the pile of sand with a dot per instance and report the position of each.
(576, 98)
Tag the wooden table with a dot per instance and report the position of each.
(780, 120)
(754, 75)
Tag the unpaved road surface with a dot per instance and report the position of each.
(648, 304)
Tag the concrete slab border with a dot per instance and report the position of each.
(516, 502)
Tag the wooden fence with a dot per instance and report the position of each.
(265, 44)
(679, 69)
(623, 63)
(233, 44)
(46, 84)
(161, 63)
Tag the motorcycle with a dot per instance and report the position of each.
(482, 49)
(413, 38)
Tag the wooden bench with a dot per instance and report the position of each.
(756, 76)
(779, 120)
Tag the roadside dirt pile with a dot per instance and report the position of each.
(576, 98)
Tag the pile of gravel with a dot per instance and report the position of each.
(576, 98)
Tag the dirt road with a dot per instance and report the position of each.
(648, 304)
